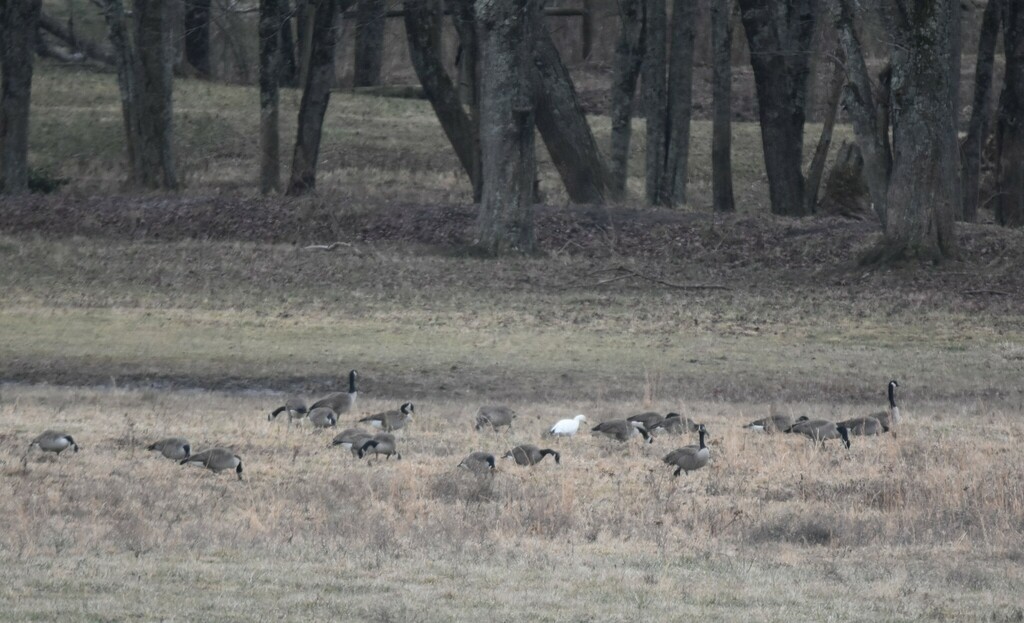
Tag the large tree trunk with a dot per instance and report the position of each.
(270, 75)
(288, 66)
(680, 101)
(369, 52)
(17, 44)
(817, 168)
(779, 33)
(422, 22)
(629, 54)
(197, 35)
(155, 61)
(563, 125)
(924, 193)
(977, 128)
(468, 57)
(721, 142)
(655, 99)
(1009, 204)
(315, 95)
(505, 222)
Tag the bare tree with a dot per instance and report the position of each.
(270, 76)
(289, 67)
(17, 43)
(197, 35)
(977, 129)
(629, 54)
(817, 168)
(721, 142)
(655, 98)
(369, 45)
(1009, 205)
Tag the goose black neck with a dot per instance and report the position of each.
(702, 434)
(892, 395)
(352, 382)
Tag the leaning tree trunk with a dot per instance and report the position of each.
(17, 44)
(369, 52)
(505, 222)
(625, 70)
(315, 95)
(155, 61)
(817, 168)
(721, 142)
(779, 33)
(270, 75)
(977, 128)
(924, 194)
(1009, 205)
(655, 99)
(680, 101)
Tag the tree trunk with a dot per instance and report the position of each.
(817, 168)
(155, 61)
(422, 22)
(721, 142)
(680, 101)
(779, 33)
(315, 95)
(1009, 204)
(289, 75)
(127, 81)
(655, 99)
(629, 54)
(924, 193)
(270, 70)
(369, 52)
(563, 125)
(197, 35)
(977, 128)
(464, 20)
(17, 44)
(505, 222)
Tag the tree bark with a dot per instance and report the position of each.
(369, 52)
(422, 22)
(655, 99)
(288, 66)
(721, 142)
(270, 75)
(680, 101)
(197, 35)
(464, 20)
(127, 81)
(629, 54)
(817, 168)
(17, 44)
(505, 221)
(1009, 205)
(155, 61)
(977, 128)
(315, 96)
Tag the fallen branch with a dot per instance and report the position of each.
(327, 247)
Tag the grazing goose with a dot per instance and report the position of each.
(323, 417)
(54, 441)
(479, 463)
(339, 402)
(821, 430)
(296, 408)
(391, 420)
(176, 448)
(689, 458)
(567, 428)
(382, 443)
(217, 460)
(864, 426)
(494, 416)
(352, 439)
(676, 424)
(621, 430)
(648, 419)
(890, 418)
(529, 454)
(773, 423)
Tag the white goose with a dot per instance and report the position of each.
(567, 428)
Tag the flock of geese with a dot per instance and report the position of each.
(325, 412)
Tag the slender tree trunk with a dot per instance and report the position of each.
(153, 40)
(655, 99)
(629, 53)
(422, 22)
(1009, 205)
(505, 222)
(288, 67)
(315, 95)
(817, 168)
(369, 52)
(197, 35)
(721, 142)
(127, 77)
(680, 100)
(17, 44)
(977, 128)
(270, 65)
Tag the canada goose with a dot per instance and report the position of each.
(529, 454)
(323, 417)
(352, 438)
(689, 458)
(296, 408)
(821, 430)
(217, 460)
(176, 448)
(567, 428)
(864, 426)
(773, 423)
(676, 424)
(647, 419)
(340, 402)
(479, 463)
(890, 418)
(391, 420)
(494, 416)
(54, 441)
(382, 443)
(621, 430)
